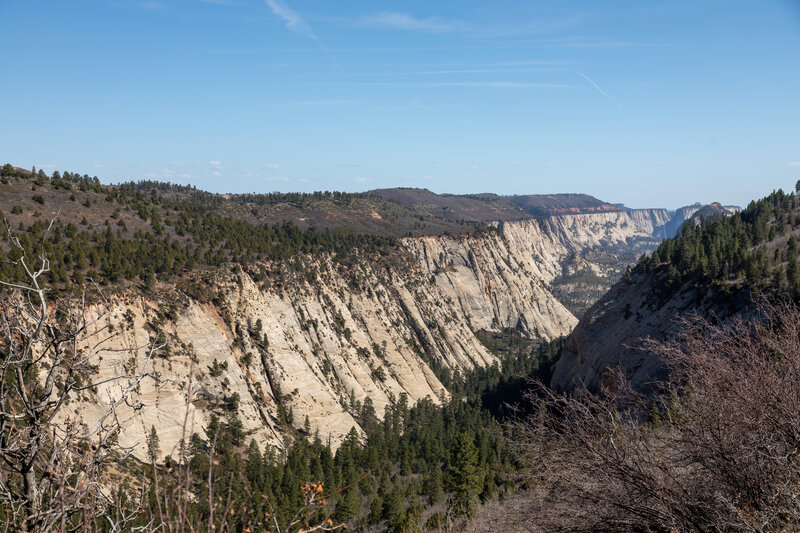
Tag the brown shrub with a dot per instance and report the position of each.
(718, 452)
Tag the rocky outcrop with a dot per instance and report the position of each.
(582, 231)
(189, 378)
(500, 280)
(313, 347)
(689, 212)
(576, 257)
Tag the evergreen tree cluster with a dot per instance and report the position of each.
(498, 386)
(298, 199)
(421, 466)
(756, 248)
(57, 181)
(184, 232)
(417, 458)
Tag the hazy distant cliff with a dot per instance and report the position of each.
(711, 269)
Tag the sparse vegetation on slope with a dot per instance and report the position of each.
(390, 477)
(715, 452)
(716, 268)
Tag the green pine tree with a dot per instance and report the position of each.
(466, 477)
(348, 505)
(153, 450)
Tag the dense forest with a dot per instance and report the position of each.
(755, 249)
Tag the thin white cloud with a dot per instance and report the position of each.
(495, 84)
(217, 174)
(489, 84)
(470, 71)
(293, 19)
(793, 164)
(554, 25)
(598, 88)
(152, 6)
(172, 172)
(296, 23)
(214, 163)
(498, 45)
(272, 166)
(403, 21)
(503, 85)
(319, 102)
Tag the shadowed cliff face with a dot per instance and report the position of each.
(323, 337)
(611, 333)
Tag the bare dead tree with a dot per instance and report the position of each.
(720, 451)
(51, 464)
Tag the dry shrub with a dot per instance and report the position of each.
(51, 465)
(718, 452)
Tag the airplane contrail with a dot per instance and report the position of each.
(598, 88)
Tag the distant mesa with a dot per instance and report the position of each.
(487, 207)
(696, 213)
(561, 204)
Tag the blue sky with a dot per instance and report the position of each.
(650, 103)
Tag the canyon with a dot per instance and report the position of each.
(329, 337)
(301, 310)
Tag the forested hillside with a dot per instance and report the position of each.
(717, 268)
(136, 232)
(172, 263)
(756, 249)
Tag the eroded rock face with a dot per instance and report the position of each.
(180, 391)
(313, 344)
(332, 334)
(499, 281)
(651, 221)
(612, 332)
(583, 231)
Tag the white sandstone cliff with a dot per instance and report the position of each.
(330, 334)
